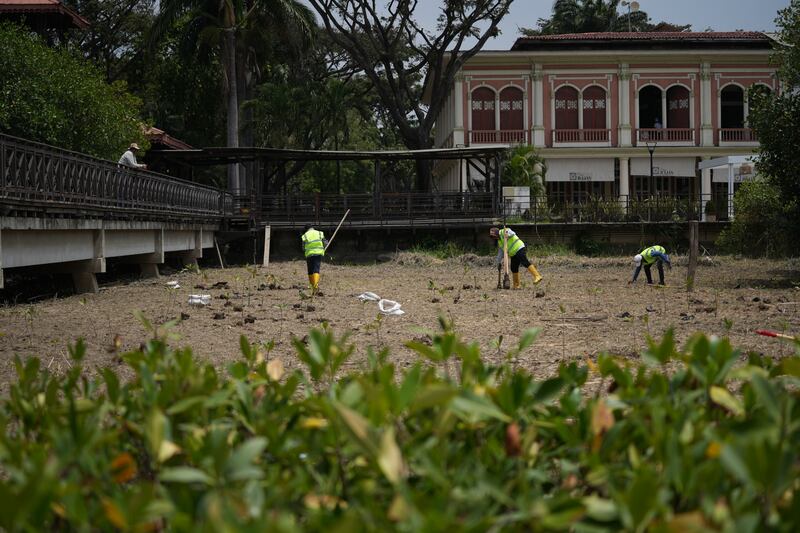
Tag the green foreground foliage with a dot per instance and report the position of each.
(52, 96)
(450, 443)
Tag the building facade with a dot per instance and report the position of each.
(596, 105)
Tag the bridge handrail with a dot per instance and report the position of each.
(36, 175)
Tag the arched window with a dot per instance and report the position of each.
(732, 106)
(594, 108)
(483, 109)
(650, 107)
(566, 108)
(678, 107)
(511, 115)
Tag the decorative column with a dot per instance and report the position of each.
(458, 118)
(538, 106)
(624, 181)
(664, 109)
(705, 188)
(706, 128)
(624, 130)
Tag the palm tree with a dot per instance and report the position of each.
(236, 30)
(582, 16)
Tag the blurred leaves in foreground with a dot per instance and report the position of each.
(692, 439)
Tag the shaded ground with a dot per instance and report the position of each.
(584, 307)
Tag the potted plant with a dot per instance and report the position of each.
(711, 211)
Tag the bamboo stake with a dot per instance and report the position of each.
(336, 231)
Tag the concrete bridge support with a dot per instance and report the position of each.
(81, 246)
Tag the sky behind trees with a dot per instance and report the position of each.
(720, 15)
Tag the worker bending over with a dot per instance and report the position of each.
(314, 248)
(517, 253)
(648, 256)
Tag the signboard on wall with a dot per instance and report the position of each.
(580, 170)
(740, 174)
(664, 166)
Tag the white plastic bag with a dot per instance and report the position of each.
(199, 299)
(390, 307)
(368, 297)
(173, 285)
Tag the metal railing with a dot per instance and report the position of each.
(499, 136)
(587, 208)
(737, 135)
(582, 136)
(684, 135)
(38, 177)
(329, 207)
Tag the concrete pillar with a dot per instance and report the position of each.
(458, 118)
(706, 127)
(624, 181)
(705, 188)
(538, 106)
(149, 270)
(84, 282)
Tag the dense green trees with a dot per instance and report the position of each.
(52, 96)
(581, 16)
(768, 214)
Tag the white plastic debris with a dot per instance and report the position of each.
(390, 307)
(368, 297)
(173, 285)
(199, 299)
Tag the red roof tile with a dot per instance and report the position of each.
(649, 36)
(44, 7)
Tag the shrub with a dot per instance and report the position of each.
(760, 226)
(180, 446)
(52, 96)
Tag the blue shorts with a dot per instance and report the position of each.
(313, 263)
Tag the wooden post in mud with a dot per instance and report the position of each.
(694, 245)
(267, 237)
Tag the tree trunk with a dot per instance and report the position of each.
(233, 106)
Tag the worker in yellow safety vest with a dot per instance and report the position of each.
(647, 257)
(314, 244)
(517, 254)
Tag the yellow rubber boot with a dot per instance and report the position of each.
(515, 279)
(311, 281)
(535, 273)
(315, 282)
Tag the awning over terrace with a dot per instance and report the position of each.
(575, 169)
(664, 166)
(731, 165)
(222, 156)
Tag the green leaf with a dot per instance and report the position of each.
(474, 408)
(242, 457)
(548, 389)
(528, 337)
(767, 395)
(112, 384)
(358, 426)
(435, 395)
(735, 465)
(723, 398)
(185, 404)
(185, 474)
(600, 509)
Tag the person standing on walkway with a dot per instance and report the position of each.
(313, 248)
(128, 159)
(517, 254)
(655, 254)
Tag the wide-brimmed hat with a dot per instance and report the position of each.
(134, 146)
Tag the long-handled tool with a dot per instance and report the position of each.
(768, 333)
(499, 276)
(506, 278)
(325, 251)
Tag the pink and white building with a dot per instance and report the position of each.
(590, 103)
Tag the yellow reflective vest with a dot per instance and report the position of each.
(313, 243)
(515, 244)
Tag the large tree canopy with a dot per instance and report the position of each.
(776, 118)
(582, 16)
(52, 96)
(400, 58)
